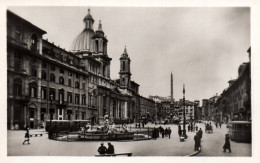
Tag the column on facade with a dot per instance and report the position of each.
(25, 115)
(125, 109)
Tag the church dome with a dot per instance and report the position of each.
(84, 42)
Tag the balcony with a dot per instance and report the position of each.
(60, 103)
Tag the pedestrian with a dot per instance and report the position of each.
(197, 142)
(139, 125)
(188, 128)
(166, 132)
(227, 144)
(154, 136)
(191, 127)
(162, 133)
(179, 130)
(169, 132)
(27, 137)
(219, 124)
(102, 149)
(110, 149)
(200, 133)
(196, 128)
(136, 125)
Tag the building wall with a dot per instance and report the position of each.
(41, 79)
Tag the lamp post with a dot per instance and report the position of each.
(184, 123)
(50, 130)
(51, 109)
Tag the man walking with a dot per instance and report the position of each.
(179, 130)
(169, 132)
(197, 142)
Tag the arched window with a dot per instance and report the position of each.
(52, 77)
(104, 70)
(76, 84)
(34, 41)
(69, 82)
(123, 65)
(44, 76)
(33, 89)
(17, 86)
(33, 71)
(61, 80)
(96, 42)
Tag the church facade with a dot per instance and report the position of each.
(47, 82)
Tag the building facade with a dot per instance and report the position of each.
(47, 82)
(235, 101)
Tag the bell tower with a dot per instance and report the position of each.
(125, 74)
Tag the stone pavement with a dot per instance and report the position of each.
(212, 144)
(42, 146)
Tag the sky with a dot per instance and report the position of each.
(201, 47)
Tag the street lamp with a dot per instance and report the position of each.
(50, 129)
(184, 125)
(51, 109)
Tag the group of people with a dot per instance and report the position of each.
(104, 150)
(191, 128)
(164, 132)
(197, 139)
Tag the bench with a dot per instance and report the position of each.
(118, 154)
(35, 135)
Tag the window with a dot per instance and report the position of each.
(52, 94)
(33, 71)
(17, 62)
(34, 41)
(69, 82)
(18, 35)
(17, 90)
(76, 84)
(44, 75)
(89, 100)
(83, 115)
(83, 99)
(83, 86)
(60, 111)
(70, 74)
(52, 67)
(61, 71)
(76, 98)
(97, 48)
(61, 80)
(33, 90)
(104, 70)
(44, 64)
(44, 93)
(61, 97)
(77, 76)
(69, 97)
(52, 77)
(123, 65)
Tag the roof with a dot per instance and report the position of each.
(240, 122)
(9, 13)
